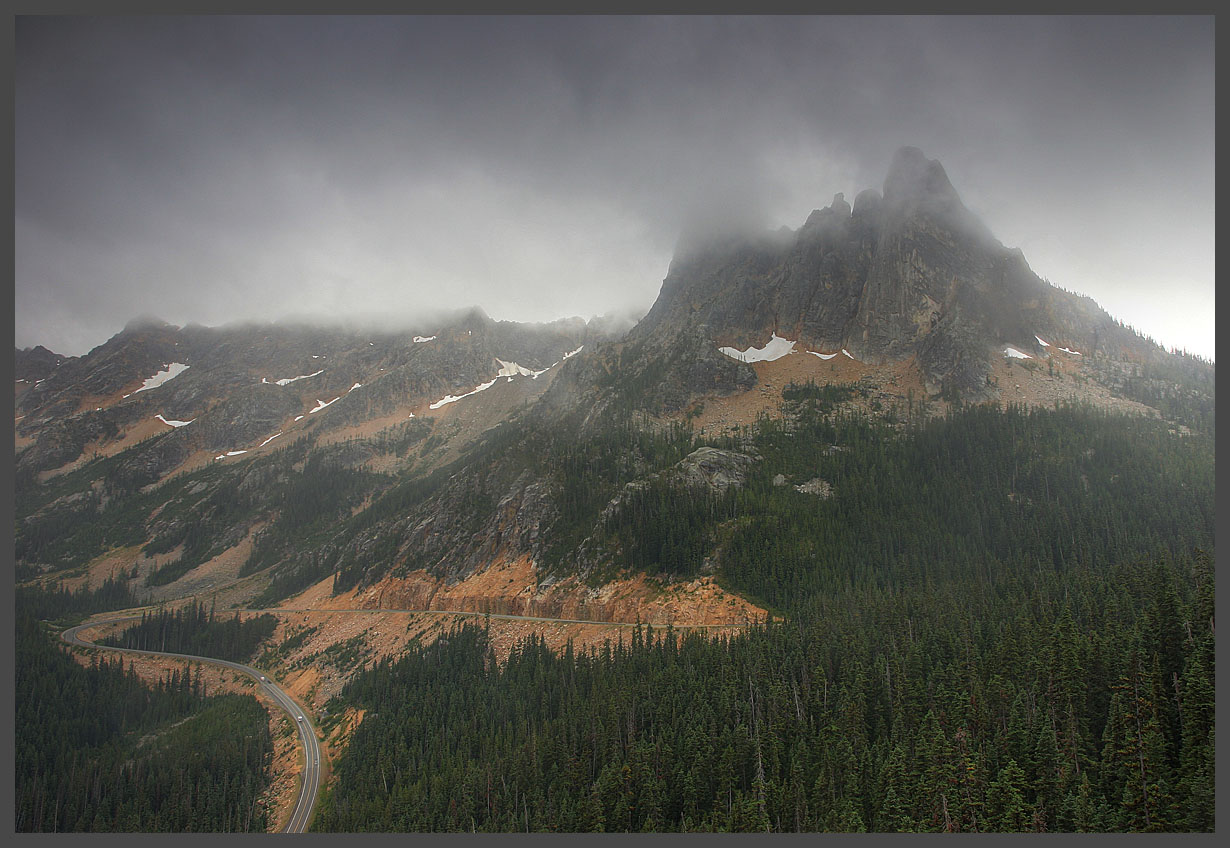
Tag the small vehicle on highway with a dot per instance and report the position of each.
(300, 718)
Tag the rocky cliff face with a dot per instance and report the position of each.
(909, 272)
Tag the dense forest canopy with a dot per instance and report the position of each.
(1002, 620)
(97, 749)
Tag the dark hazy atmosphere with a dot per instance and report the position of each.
(220, 169)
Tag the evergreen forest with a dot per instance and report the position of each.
(1000, 620)
(97, 749)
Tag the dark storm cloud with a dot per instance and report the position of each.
(216, 169)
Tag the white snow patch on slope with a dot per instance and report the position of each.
(776, 348)
(454, 398)
(512, 369)
(297, 417)
(1044, 344)
(355, 386)
(169, 372)
(1015, 354)
(268, 440)
(173, 422)
(847, 353)
(288, 380)
(229, 453)
(320, 404)
(421, 339)
(825, 356)
(572, 353)
(1073, 352)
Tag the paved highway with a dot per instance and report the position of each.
(310, 786)
(502, 616)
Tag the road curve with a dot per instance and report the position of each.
(309, 788)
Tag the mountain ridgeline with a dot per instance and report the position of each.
(359, 454)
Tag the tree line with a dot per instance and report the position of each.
(1042, 702)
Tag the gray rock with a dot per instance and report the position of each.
(815, 486)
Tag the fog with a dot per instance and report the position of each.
(221, 169)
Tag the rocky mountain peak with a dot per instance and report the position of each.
(909, 273)
(918, 188)
(913, 177)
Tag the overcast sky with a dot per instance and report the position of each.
(217, 169)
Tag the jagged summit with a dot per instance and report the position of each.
(909, 272)
(913, 178)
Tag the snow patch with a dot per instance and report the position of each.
(268, 440)
(286, 381)
(572, 353)
(355, 386)
(454, 398)
(173, 423)
(1044, 344)
(776, 348)
(421, 339)
(847, 353)
(229, 453)
(297, 417)
(512, 369)
(1073, 352)
(1015, 354)
(825, 356)
(320, 404)
(169, 372)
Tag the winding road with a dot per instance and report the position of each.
(309, 788)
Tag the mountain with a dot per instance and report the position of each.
(429, 457)
(909, 273)
(860, 527)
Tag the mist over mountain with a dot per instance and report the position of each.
(853, 445)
